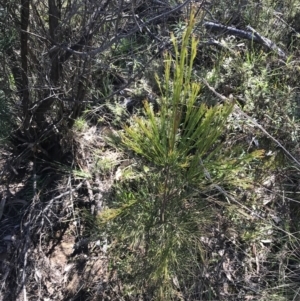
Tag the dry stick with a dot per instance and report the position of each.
(58, 197)
(251, 35)
(267, 42)
(117, 37)
(88, 185)
(220, 189)
(25, 252)
(91, 195)
(230, 30)
(223, 98)
(99, 196)
(72, 202)
(24, 269)
(231, 198)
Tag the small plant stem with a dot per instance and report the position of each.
(165, 195)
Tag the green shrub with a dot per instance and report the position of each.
(159, 217)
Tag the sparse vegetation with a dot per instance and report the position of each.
(149, 150)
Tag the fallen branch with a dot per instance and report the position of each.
(267, 42)
(223, 99)
(57, 198)
(231, 30)
(251, 35)
(220, 96)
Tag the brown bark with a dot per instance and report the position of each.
(24, 60)
(55, 71)
(54, 16)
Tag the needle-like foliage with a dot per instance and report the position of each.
(159, 217)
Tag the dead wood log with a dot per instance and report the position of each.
(251, 35)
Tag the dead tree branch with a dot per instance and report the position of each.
(251, 35)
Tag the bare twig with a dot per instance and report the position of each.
(91, 195)
(62, 195)
(99, 196)
(220, 96)
(118, 37)
(57, 198)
